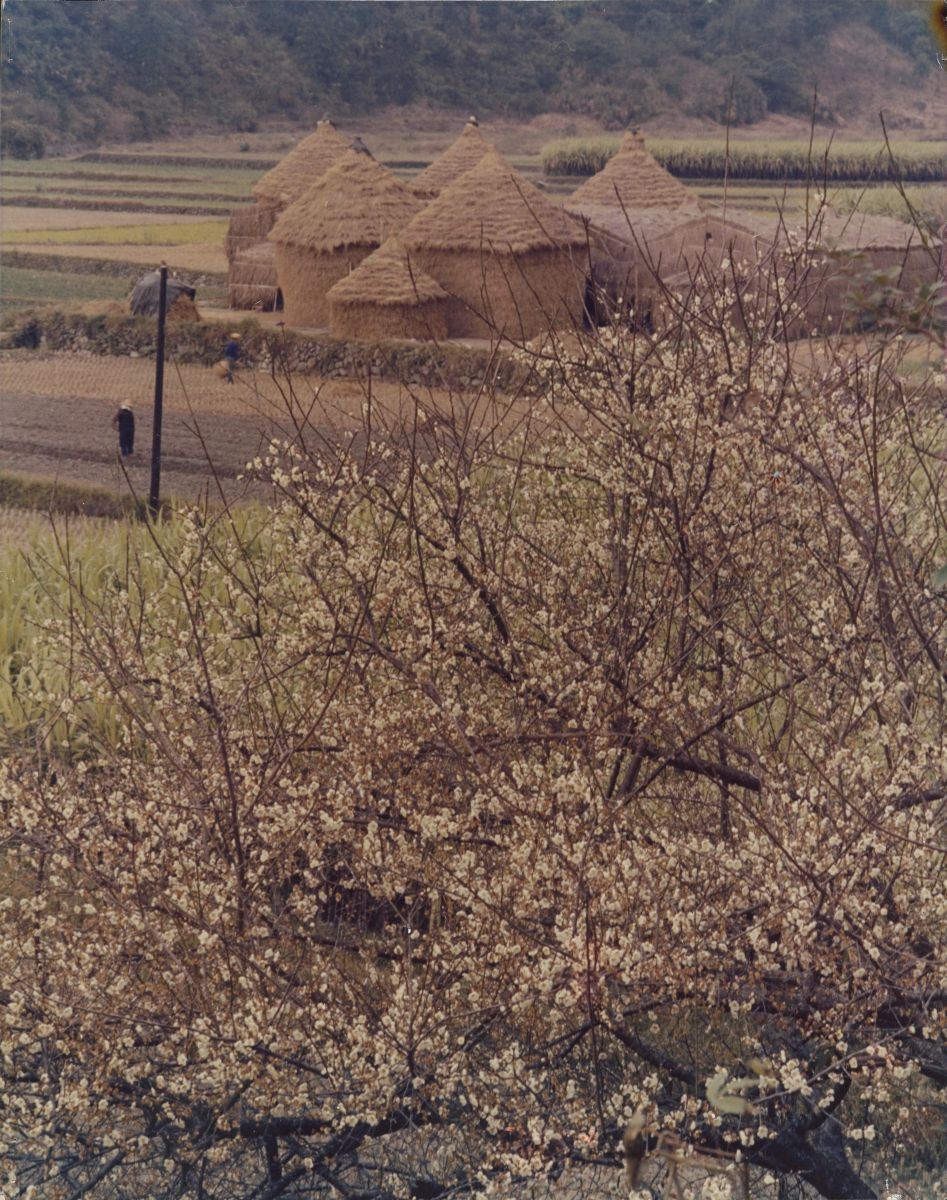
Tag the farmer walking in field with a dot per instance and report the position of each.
(124, 421)
(231, 355)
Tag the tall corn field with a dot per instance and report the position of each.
(914, 162)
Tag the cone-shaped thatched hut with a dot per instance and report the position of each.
(632, 178)
(279, 187)
(252, 280)
(456, 160)
(304, 164)
(337, 222)
(510, 260)
(386, 296)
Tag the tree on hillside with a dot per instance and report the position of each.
(142, 68)
(545, 769)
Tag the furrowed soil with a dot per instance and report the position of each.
(56, 412)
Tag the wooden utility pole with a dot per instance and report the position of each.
(154, 493)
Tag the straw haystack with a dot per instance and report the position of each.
(457, 160)
(312, 157)
(510, 260)
(145, 296)
(339, 220)
(252, 281)
(183, 311)
(249, 225)
(386, 296)
(631, 179)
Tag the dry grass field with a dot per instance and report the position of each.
(39, 221)
(188, 256)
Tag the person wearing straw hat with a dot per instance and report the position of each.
(231, 355)
(124, 421)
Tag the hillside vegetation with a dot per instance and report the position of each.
(85, 73)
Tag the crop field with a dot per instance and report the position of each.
(199, 257)
(20, 286)
(31, 226)
(56, 411)
(918, 161)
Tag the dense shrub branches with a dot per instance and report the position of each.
(533, 769)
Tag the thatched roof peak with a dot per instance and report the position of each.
(302, 166)
(632, 178)
(456, 160)
(387, 276)
(358, 202)
(491, 207)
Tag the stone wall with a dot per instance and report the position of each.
(418, 363)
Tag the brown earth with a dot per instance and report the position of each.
(56, 412)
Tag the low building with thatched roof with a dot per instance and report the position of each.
(631, 179)
(386, 296)
(512, 262)
(457, 160)
(854, 259)
(252, 281)
(635, 252)
(302, 166)
(337, 222)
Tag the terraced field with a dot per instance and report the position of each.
(133, 208)
(75, 231)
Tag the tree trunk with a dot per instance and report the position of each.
(821, 1163)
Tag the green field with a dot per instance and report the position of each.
(85, 189)
(21, 286)
(74, 168)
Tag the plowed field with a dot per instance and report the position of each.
(56, 412)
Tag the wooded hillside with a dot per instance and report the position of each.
(111, 70)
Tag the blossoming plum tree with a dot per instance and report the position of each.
(540, 768)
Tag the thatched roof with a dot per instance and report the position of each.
(249, 225)
(456, 160)
(851, 231)
(356, 203)
(638, 225)
(632, 178)
(387, 277)
(492, 208)
(252, 280)
(145, 295)
(255, 265)
(312, 157)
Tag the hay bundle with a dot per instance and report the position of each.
(387, 297)
(249, 226)
(358, 202)
(492, 207)
(312, 157)
(145, 296)
(632, 178)
(510, 259)
(340, 220)
(457, 160)
(252, 280)
(183, 310)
